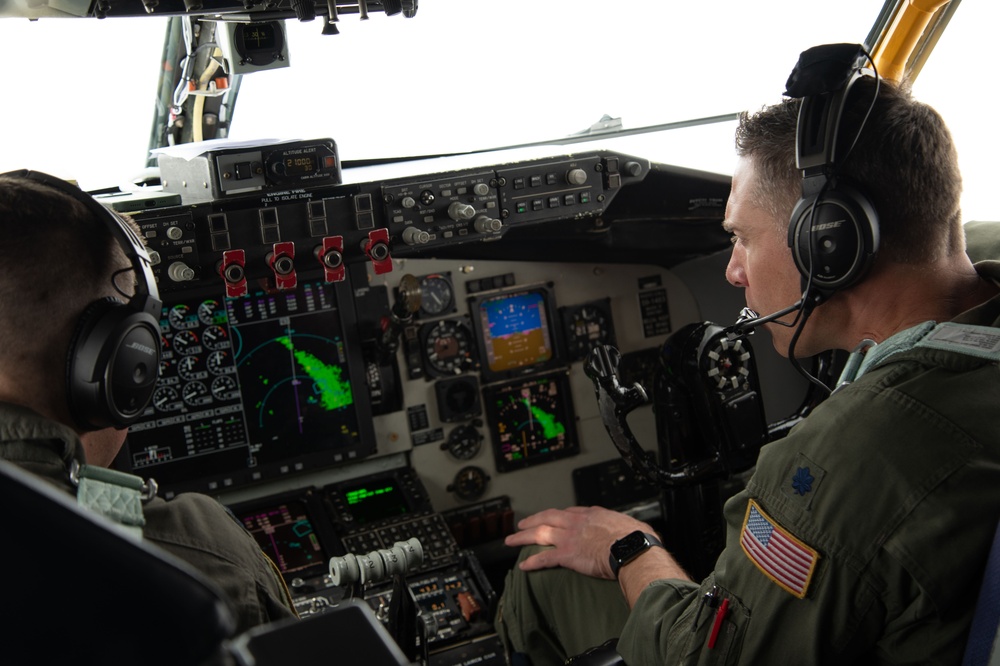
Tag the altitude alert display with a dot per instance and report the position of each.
(532, 421)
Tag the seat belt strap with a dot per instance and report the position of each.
(115, 495)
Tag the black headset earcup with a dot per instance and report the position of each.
(837, 244)
(113, 364)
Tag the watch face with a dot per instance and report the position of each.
(629, 546)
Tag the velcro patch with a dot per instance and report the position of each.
(780, 556)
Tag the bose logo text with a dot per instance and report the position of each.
(143, 348)
(827, 225)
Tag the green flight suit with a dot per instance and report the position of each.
(192, 527)
(861, 538)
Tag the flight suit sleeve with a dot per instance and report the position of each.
(199, 530)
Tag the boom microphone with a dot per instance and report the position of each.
(749, 320)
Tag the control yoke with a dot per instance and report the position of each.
(615, 403)
(706, 400)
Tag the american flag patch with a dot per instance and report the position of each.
(783, 558)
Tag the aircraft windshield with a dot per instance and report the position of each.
(466, 75)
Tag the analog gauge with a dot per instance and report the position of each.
(189, 368)
(447, 346)
(166, 399)
(437, 296)
(464, 442)
(167, 372)
(587, 326)
(196, 394)
(219, 364)
(224, 388)
(186, 342)
(211, 312)
(181, 318)
(215, 337)
(470, 483)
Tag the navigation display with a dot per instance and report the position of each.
(532, 421)
(252, 388)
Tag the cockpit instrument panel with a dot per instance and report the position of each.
(252, 388)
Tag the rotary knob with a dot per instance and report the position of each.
(459, 211)
(485, 224)
(576, 176)
(414, 236)
(180, 272)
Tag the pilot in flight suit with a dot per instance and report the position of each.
(861, 538)
(193, 527)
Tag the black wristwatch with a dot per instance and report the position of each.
(630, 547)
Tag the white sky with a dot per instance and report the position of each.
(468, 74)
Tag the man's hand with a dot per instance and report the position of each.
(581, 536)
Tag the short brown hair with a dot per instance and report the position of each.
(57, 259)
(904, 161)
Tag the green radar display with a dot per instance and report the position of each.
(296, 391)
(532, 421)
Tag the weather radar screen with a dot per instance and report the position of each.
(252, 388)
(516, 331)
(532, 421)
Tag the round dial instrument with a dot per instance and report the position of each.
(166, 399)
(470, 483)
(181, 317)
(464, 442)
(437, 296)
(447, 347)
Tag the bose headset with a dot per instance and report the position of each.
(834, 228)
(113, 359)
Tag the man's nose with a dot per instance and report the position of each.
(735, 273)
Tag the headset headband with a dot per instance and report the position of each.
(147, 296)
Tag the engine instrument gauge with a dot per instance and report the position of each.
(219, 363)
(189, 368)
(532, 421)
(447, 347)
(181, 317)
(224, 388)
(587, 325)
(186, 342)
(215, 337)
(210, 312)
(470, 483)
(196, 393)
(166, 399)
